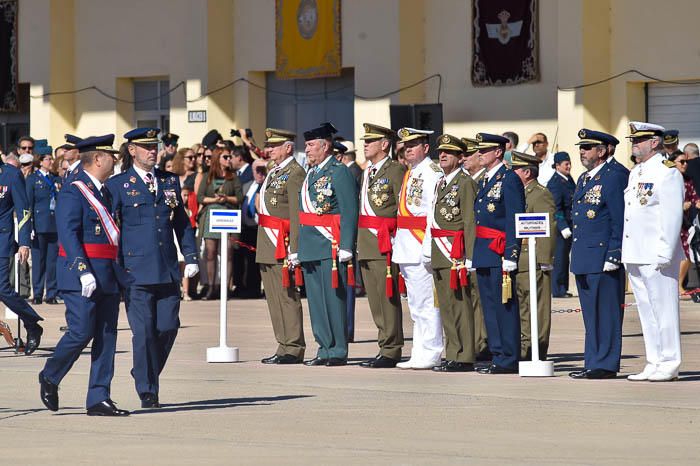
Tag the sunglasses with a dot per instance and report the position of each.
(27, 164)
(682, 162)
(27, 147)
(207, 157)
(539, 142)
(586, 146)
(226, 157)
(190, 157)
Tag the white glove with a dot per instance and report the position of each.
(509, 266)
(546, 267)
(32, 236)
(292, 259)
(468, 264)
(89, 285)
(566, 233)
(427, 260)
(609, 267)
(191, 270)
(344, 256)
(662, 263)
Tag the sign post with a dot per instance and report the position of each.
(9, 315)
(533, 226)
(223, 221)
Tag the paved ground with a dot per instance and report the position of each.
(249, 413)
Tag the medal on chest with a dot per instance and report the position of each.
(644, 192)
(592, 196)
(414, 194)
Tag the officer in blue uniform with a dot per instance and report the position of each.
(42, 191)
(72, 156)
(89, 278)
(562, 187)
(148, 203)
(13, 199)
(496, 251)
(598, 218)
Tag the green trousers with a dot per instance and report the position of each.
(284, 305)
(457, 315)
(386, 312)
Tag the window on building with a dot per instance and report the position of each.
(152, 103)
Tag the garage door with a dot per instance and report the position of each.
(676, 107)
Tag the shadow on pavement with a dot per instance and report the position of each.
(219, 404)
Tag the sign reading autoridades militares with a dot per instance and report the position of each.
(505, 42)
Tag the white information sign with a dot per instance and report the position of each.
(532, 225)
(223, 220)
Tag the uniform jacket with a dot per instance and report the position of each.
(13, 200)
(246, 175)
(356, 173)
(147, 248)
(453, 210)
(563, 195)
(382, 193)
(496, 204)
(539, 200)
(281, 194)
(72, 176)
(419, 191)
(332, 191)
(77, 224)
(39, 194)
(598, 217)
(653, 213)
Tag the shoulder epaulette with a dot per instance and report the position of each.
(669, 164)
(435, 167)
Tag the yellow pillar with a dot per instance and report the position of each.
(220, 70)
(412, 50)
(62, 65)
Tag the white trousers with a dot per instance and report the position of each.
(656, 292)
(427, 325)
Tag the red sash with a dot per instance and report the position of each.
(385, 226)
(498, 245)
(331, 221)
(412, 222)
(95, 251)
(282, 227)
(455, 254)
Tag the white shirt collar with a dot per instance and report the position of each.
(41, 170)
(142, 173)
(242, 169)
(477, 174)
(379, 164)
(73, 165)
(490, 173)
(595, 170)
(95, 181)
(451, 176)
(320, 166)
(284, 163)
(561, 174)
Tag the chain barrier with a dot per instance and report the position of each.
(578, 309)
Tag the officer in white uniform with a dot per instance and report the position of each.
(415, 201)
(651, 250)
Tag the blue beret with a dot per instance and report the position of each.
(43, 150)
(486, 140)
(325, 131)
(40, 143)
(560, 157)
(588, 136)
(143, 135)
(97, 143)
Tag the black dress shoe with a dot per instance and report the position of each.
(48, 392)
(149, 400)
(600, 374)
(316, 362)
(578, 374)
(270, 360)
(336, 362)
(289, 359)
(383, 362)
(51, 301)
(36, 301)
(106, 408)
(494, 369)
(63, 328)
(370, 362)
(454, 366)
(33, 339)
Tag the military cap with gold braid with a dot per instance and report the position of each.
(374, 132)
(97, 143)
(522, 160)
(588, 136)
(274, 136)
(639, 129)
(670, 137)
(471, 145)
(449, 142)
(142, 136)
(409, 134)
(486, 140)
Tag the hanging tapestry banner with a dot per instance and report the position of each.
(307, 38)
(505, 48)
(8, 55)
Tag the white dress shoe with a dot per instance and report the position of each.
(425, 366)
(644, 375)
(405, 365)
(660, 376)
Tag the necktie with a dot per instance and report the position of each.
(150, 184)
(586, 179)
(372, 173)
(485, 181)
(106, 197)
(250, 209)
(443, 183)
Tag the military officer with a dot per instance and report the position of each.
(652, 252)
(450, 248)
(13, 200)
(170, 143)
(88, 278)
(415, 202)
(72, 156)
(537, 200)
(379, 198)
(496, 252)
(42, 191)
(278, 240)
(328, 215)
(148, 203)
(598, 210)
(472, 167)
(562, 187)
(670, 142)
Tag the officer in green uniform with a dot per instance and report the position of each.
(472, 167)
(328, 211)
(278, 235)
(538, 199)
(379, 201)
(450, 247)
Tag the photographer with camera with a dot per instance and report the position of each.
(248, 141)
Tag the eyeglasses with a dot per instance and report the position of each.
(586, 146)
(539, 142)
(26, 147)
(682, 162)
(199, 154)
(226, 157)
(189, 157)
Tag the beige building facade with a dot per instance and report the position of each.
(116, 52)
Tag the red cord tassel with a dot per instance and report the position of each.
(298, 276)
(334, 276)
(351, 274)
(402, 284)
(453, 277)
(463, 277)
(389, 283)
(285, 274)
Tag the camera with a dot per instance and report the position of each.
(237, 132)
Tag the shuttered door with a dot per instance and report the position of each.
(676, 107)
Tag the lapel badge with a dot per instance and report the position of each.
(132, 179)
(90, 185)
(491, 207)
(273, 201)
(98, 230)
(81, 266)
(590, 214)
(126, 185)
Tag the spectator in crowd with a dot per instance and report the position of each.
(511, 145)
(540, 147)
(691, 204)
(349, 158)
(691, 150)
(670, 142)
(12, 159)
(57, 167)
(220, 189)
(26, 161)
(166, 163)
(241, 163)
(184, 165)
(25, 145)
(187, 292)
(249, 143)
